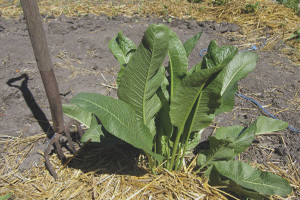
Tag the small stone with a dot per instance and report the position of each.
(1, 28)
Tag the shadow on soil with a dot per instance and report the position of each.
(119, 158)
(37, 112)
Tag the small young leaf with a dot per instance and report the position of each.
(217, 56)
(254, 179)
(94, 133)
(78, 114)
(194, 139)
(5, 197)
(122, 48)
(244, 139)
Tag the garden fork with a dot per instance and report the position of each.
(44, 63)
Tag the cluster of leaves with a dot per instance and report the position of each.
(195, 1)
(219, 2)
(222, 170)
(250, 8)
(163, 110)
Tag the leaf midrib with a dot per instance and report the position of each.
(147, 77)
(213, 156)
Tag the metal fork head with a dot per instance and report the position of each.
(55, 141)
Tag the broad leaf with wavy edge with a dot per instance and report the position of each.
(187, 102)
(144, 74)
(118, 118)
(191, 97)
(178, 63)
(238, 68)
(267, 125)
(251, 178)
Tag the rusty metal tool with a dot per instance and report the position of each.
(44, 63)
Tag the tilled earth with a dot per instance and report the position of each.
(83, 63)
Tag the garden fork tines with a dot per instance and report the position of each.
(55, 141)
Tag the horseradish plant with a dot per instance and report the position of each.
(162, 110)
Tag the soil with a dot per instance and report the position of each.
(83, 63)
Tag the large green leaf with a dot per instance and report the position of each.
(190, 44)
(241, 191)
(251, 178)
(215, 179)
(118, 118)
(78, 114)
(144, 74)
(189, 96)
(210, 97)
(178, 63)
(238, 68)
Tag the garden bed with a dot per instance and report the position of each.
(83, 63)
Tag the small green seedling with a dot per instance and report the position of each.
(250, 8)
(162, 110)
(5, 197)
(295, 36)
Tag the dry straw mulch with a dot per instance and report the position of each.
(107, 174)
(110, 174)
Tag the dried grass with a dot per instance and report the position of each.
(281, 20)
(99, 173)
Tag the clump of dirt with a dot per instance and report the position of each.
(83, 63)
